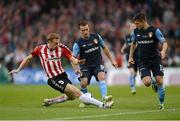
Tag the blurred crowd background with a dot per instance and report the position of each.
(25, 23)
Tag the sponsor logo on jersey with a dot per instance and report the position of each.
(53, 59)
(91, 50)
(145, 42)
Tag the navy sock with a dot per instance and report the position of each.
(84, 90)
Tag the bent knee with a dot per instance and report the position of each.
(159, 80)
(147, 81)
(84, 83)
(101, 76)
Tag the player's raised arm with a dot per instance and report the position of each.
(25, 61)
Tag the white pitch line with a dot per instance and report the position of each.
(112, 114)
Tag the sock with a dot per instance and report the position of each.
(103, 88)
(84, 90)
(161, 93)
(59, 99)
(132, 82)
(90, 100)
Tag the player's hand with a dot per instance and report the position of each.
(115, 64)
(122, 50)
(81, 61)
(131, 60)
(78, 72)
(163, 54)
(14, 71)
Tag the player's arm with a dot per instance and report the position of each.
(76, 51)
(123, 48)
(132, 49)
(164, 49)
(107, 51)
(68, 54)
(24, 62)
(109, 55)
(75, 61)
(162, 40)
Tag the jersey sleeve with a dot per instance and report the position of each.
(36, 51)
(76, 50)
(133, 38)
(66, 52)
(102, 43)
(160, 36)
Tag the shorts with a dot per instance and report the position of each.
(59, 82)
(92, 71)
(155, 66)
(134, 66)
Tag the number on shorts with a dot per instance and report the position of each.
(61, 82)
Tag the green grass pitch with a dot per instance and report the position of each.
(24, 102)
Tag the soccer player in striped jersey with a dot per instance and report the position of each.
(50, 55)
(147, 38)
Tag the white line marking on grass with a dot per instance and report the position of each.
(112, 114)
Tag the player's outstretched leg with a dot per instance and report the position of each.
(75, 92)
(59, 99)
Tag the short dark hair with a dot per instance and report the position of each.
(83, 23)
(139, 17)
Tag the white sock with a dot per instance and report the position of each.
(60, 99)
(90, 100)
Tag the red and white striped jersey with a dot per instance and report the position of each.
(51, 59)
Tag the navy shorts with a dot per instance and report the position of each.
(152, 65)
(92, 71)
(134, 66)
(59, 82)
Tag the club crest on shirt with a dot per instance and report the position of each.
(95, 41)
(150, 34)
(84, 45)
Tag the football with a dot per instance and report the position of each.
(83, 105)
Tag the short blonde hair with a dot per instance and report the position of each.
(52, 36)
